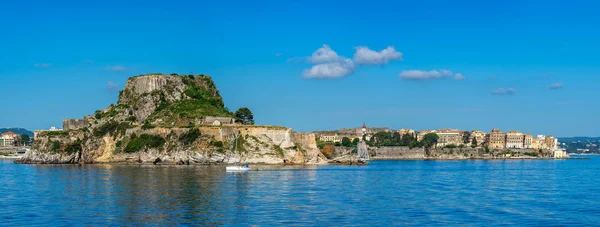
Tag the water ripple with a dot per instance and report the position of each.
(406, 193)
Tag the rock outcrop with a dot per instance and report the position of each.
(158, 119)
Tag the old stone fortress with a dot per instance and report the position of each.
(495, 139)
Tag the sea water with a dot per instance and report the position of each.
(384, 193)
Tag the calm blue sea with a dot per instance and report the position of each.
(384, 193)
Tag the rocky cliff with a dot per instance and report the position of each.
(160, 119)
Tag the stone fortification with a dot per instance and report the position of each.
(161, 119)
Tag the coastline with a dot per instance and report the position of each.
(332, 162)
(10, 157)
(465, 159)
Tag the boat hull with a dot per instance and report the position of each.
(237, 169)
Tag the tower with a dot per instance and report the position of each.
(364, 129)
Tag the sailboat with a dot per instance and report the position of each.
(236, 167)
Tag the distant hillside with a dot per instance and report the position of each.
(574, 139)
(580, 145)
(19, 131)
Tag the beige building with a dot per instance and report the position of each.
(515, 140)
(558, 153)
(209, 120)
(496, 139)
(528, 141)
(551, 142)
(539, 143)
(449, 138)
(331, 138)
(7, 139)
(477, 135)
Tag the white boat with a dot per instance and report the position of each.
(236, 167)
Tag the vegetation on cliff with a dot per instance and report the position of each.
(144, 141)
(170, 101)
(162, 117)
(245, 116)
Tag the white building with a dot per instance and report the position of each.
(560, 153)
(515, 140)
(330, 138)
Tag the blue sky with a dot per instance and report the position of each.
(66, 59)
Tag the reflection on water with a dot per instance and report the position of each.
(523, 192)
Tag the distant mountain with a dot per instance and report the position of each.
(580, 138)
(19, 131)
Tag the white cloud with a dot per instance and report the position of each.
(446, 72)
(459, 76)
(277, 54)
(366, 56)
(111, 86)
(330, 70)
(556, 86)
(420, 75)
(430, 75)
(115, 68)
(324, 55)
(502, 91)
(43, 65)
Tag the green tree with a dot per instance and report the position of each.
(474, 143)
(346, 142)
(414, 144)
(430, 140)
(383, 139)
(25, 139)
(320, 144)
(407, 139)
(355, 141)
(245, 116)
(466, 136)
(55, 146)
(396, 138)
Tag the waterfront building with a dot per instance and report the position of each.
(559, 153)
(515, 140)
(477, 135)
(7, 139)
(551, 142)
(449, 137)
(541, 142)
(528, 141)
(496, 139)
